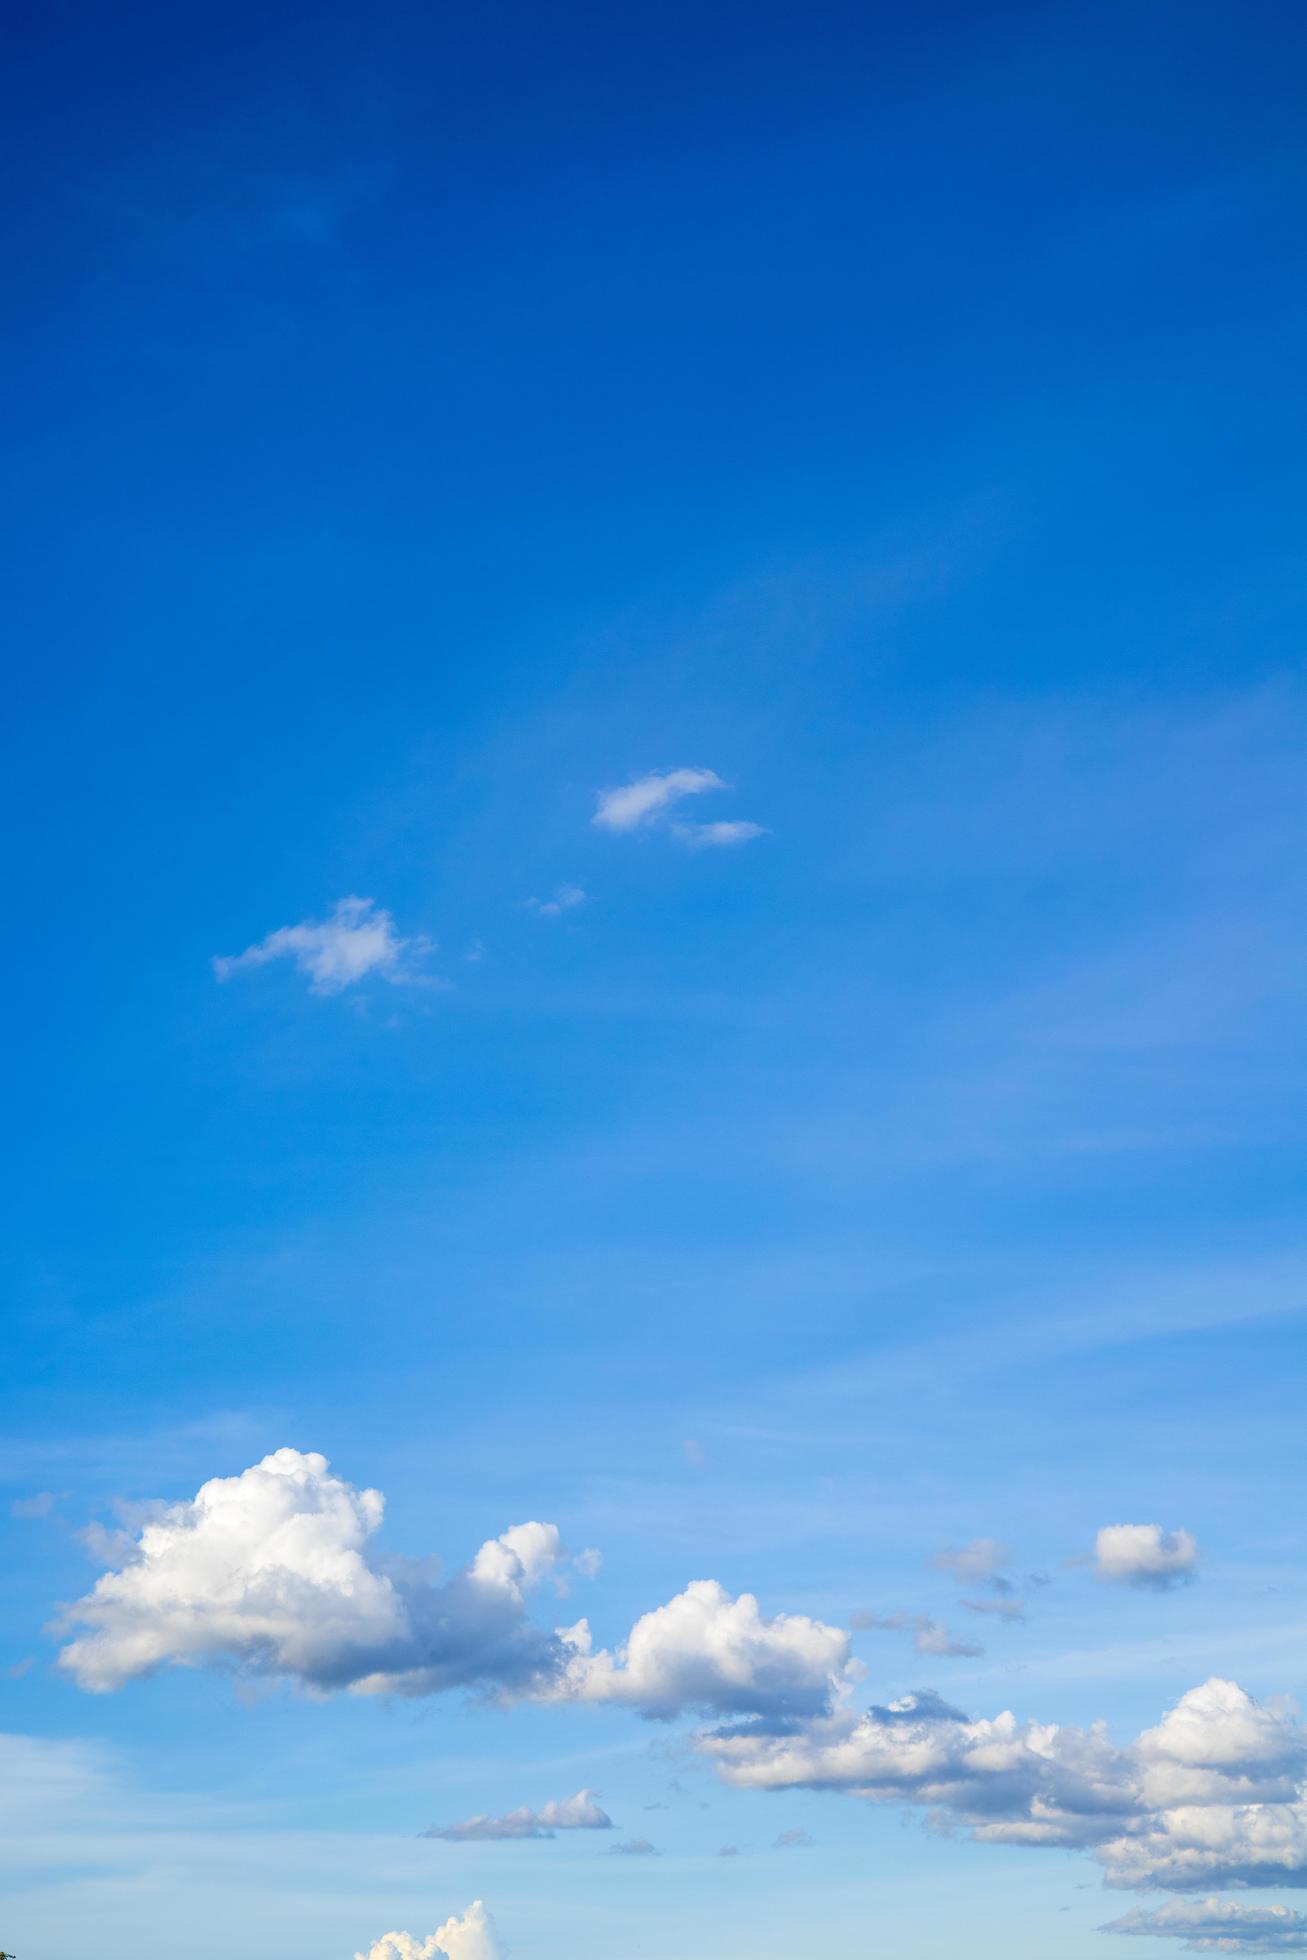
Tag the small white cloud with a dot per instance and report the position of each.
(40, 1505)
(649, 797)
(358, 939)
(566, 898)
(470, 1938)
(716, 836)
(578, 1813)
(791, 1841)
(633, 1848)
(588, 1562)
(929, 1637)
(1145, 1555)
(978, 1562)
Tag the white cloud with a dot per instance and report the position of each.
(980, 1560)
(649, 797)
(565, 898)
(791, 1841)
(336, 952)
(928, 1636)
(1213, 1795)
(470, 1938)
(272, 1571)
(705, 1649)
(1219, 1926)
(716, 836)
(1145, 1555)
(578, 1813)
(634, 1848)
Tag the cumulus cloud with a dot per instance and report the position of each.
(634, 1848)
(472, 1937)
(578, 1813)
(1145, 1555)
(1218, 1926)
(649, 797)
(1211, 1796)
(272, 1571)
(928, 1636)
(708, 1650)
(358, 938)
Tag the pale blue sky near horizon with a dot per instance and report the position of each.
(422, 422)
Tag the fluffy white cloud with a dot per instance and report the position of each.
(578, 1813)
(359, 938)
(648, 797)
(272, 1571)
(1213, 1795)
(1219, 1926)
(472, 1937)
(706, 1649)
(1145, 1555)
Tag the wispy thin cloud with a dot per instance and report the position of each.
(648, 797)
(565, 898)
(579, 1813)
(929, 1637)
(357, 939)
(716, 836)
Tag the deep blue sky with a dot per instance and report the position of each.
(420, 421)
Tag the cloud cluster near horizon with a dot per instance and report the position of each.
(357, 939)
(274, 1571)
(1212, 1795)
(473, 1937)
(648, 800)
(1218, 1926)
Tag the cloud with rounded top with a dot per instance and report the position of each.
(473, 1937)
(275, 1572)
(1145, 1555)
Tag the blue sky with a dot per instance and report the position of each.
(850, 1175)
